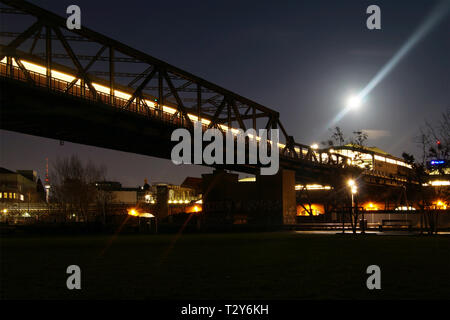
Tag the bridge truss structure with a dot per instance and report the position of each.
(87, 64)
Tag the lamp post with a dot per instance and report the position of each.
(353, 190)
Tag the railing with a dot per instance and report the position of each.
(37, 79)
(58, 85)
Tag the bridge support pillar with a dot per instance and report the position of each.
(270, 201)
(280, 188)
(162, 195)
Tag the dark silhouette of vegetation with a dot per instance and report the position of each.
(74, 189)
(434, 142)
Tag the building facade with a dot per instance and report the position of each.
(22, 186)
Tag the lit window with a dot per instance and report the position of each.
(21, 197)
(10, 195)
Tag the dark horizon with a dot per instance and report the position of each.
(301, 59)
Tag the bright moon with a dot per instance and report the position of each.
(354, 102)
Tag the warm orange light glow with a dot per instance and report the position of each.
(441, 205)
(371, 206)
(314, 208)
(133, 212)
(194, 208)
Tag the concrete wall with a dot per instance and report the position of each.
(125, 197)
(280, 188)
(162, 196)
(270, 200)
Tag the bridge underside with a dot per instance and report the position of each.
(45, 113)
(41, 112)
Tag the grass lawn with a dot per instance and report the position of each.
(226, 266)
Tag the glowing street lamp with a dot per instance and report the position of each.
(354, 190)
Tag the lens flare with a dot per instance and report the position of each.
(433, 19)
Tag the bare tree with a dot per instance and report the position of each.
(357, 141)
(416, 180)
(439, 149)
(74, 187)
(359, 138)
(436, 138)
(337, 138)
(104, 199)
(434, 141)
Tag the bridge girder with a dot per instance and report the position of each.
(153, 78)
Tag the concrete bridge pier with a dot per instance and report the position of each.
(280, 188)
(162, 195)
(268, 201)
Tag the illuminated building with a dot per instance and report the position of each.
(162, 198)
(373, 159)
(439, 173)
(22, 186)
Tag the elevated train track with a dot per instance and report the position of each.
(47, 91)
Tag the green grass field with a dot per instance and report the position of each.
(226, 266)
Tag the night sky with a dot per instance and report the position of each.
(301, 58)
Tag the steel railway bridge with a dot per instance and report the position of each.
(84, 87)
(157, 91)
